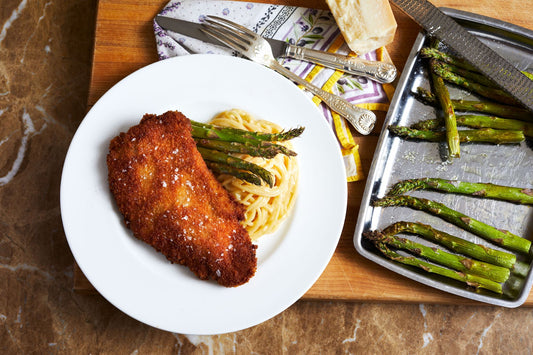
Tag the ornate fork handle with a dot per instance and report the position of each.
(362, 120)
(377, 71)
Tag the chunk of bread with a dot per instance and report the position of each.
(365, 24)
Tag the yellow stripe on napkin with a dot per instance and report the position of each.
(349, 149)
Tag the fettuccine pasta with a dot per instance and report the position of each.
(266, 207)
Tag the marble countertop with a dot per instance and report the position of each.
(45, 64)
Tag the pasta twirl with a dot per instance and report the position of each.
(266, 207)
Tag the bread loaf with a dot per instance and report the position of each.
(365, 24)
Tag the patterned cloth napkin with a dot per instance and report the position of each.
(302, 26)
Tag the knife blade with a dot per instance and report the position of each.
(374, 70)
(488, 62)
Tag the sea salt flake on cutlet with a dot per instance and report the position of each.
(182, 163)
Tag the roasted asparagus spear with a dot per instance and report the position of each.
(491, 108)
(500, 237)
(453, 261)
(471, 280)
(461, 246)
(486, 190)
(485, 135)
(477, 121)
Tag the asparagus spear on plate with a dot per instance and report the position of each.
(223, 158)
(265, 150)
(214, 142)
(247, 176)
(207, 131)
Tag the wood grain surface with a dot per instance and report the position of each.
(124, 42)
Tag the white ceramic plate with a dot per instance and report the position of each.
(141, 282)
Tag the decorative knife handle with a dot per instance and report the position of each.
(377, 71)
(361, 119)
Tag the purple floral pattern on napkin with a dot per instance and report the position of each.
(296, 25)
(301, 26)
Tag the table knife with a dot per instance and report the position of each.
(488, 62)
(374, 70)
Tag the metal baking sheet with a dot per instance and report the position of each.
(396, 159)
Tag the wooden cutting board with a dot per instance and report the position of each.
(124, 42)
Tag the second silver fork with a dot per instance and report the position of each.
(257, 49)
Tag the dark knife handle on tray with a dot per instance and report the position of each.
(374, 70)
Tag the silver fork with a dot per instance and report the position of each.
(257, 49)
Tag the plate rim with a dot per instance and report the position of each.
(96, 107)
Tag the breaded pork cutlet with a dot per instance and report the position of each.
(172, 201)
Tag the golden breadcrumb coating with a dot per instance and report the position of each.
(171, 200)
